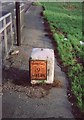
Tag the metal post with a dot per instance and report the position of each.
(5, 37)
(18, 23)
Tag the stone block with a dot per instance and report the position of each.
(41, 66)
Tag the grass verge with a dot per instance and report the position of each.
(65, 21)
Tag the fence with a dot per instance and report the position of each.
(6, 33)
(22, 13)
(22, 16)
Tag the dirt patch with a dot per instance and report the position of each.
(75, 110)
(80, 60)
(32, 91)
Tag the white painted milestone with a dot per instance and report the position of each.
(42, 65)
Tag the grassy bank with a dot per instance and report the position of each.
(65, 21)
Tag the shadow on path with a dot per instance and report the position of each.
(18, 76)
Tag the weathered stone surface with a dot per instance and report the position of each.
(45, 54)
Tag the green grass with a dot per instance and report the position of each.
(67, 20)
(66, 23)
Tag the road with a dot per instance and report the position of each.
(6, 8)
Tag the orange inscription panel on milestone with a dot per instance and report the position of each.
(38, 70)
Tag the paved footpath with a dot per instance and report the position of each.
(18, 105)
